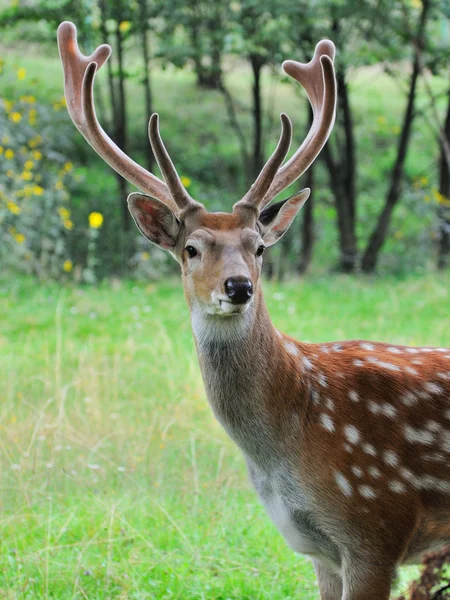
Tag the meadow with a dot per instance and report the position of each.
(116, 481)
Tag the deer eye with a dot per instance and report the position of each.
(260, 250)
(191, 251)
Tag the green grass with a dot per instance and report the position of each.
(116, 481)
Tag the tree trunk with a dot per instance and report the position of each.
(143, 14)
(257, 158)
(378, 236)
(121, 126)
(444, 190)
(307, 223)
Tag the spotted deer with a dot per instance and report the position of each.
(347, 443)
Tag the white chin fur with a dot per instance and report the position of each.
(221, 321)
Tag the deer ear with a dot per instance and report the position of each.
(276, 219)
(156, 221)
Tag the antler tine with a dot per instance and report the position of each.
(318, 79)
(171, 177)
(257, 192)
(79, 75)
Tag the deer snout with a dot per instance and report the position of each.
(238, 289)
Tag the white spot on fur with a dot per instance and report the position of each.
(374, 472)
(411, 370)
(447, 414)
(291, 348)
(397, 486)
(412, 350)
(367, 346)
(348, 448)
(444, 376)
(394, 350)
(418, 436)
(357, 471)
(344, 484)
(307, 363)
(351, 433)
(389, 410)
(337, 348)
(322, 380)
(325, 349)
(358, 363)
(278, 333)
(390, 458)
(367, 492)
(409, 399)
(315, 396)
(433, 426)
(374, 407)
(329, 404)
(374, 360)
(353, 396)
(369, 449)
(327, 422)
(433, 388)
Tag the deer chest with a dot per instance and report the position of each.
(290, 509)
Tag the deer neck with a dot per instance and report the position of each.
(241, 358)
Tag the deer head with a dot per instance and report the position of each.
(220, 254)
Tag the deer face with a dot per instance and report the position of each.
(220, 254)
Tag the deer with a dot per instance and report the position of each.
(347, 443)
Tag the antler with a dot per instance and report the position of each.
(318, 79)
(79, 75)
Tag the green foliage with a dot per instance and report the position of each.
(35, 183)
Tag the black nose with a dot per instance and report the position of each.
(239, 290)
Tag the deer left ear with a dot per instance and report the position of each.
(276, 219)
(155, 220)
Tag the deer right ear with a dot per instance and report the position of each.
(156, 221)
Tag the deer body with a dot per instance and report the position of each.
(347, 444)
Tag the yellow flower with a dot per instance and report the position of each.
(8, 104)
(1, 149)
(26, 175)
(59, 185)
(9, 154)
(95, 220)
(38, 190)
(21, 73)
(19, 237)
(186, 181)
(68, 167)
(440, 198)
(423, 180)
(381, 120)
(145, 255)
(28, 99)
(68, 224)
(16, 117)
(10, 173)
(37, 155)
(63, 101)
(57, 106)
(67, 266)
(29, 164)
(64, 212)
(12, 207)
(124, 26)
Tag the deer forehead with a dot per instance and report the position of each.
(238, 237)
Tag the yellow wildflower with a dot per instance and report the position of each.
(16, 117)
(423, 180)
(186, 181)
(68, 224)
(57, 106)
(440, 198)
(10, 173)
(145, 255)
(67, 266)
(63, 101)
(37, 155)
(9, 154)
(12, 207)
(38, 190)
(29, 164)
(68, 167)
(8, 104)
(59, 185)
(64, 212)
(124, 26)
(26, 175)
(19, 237)
(21, 73)
(95, 220)
(381, 120)
(1, 149)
